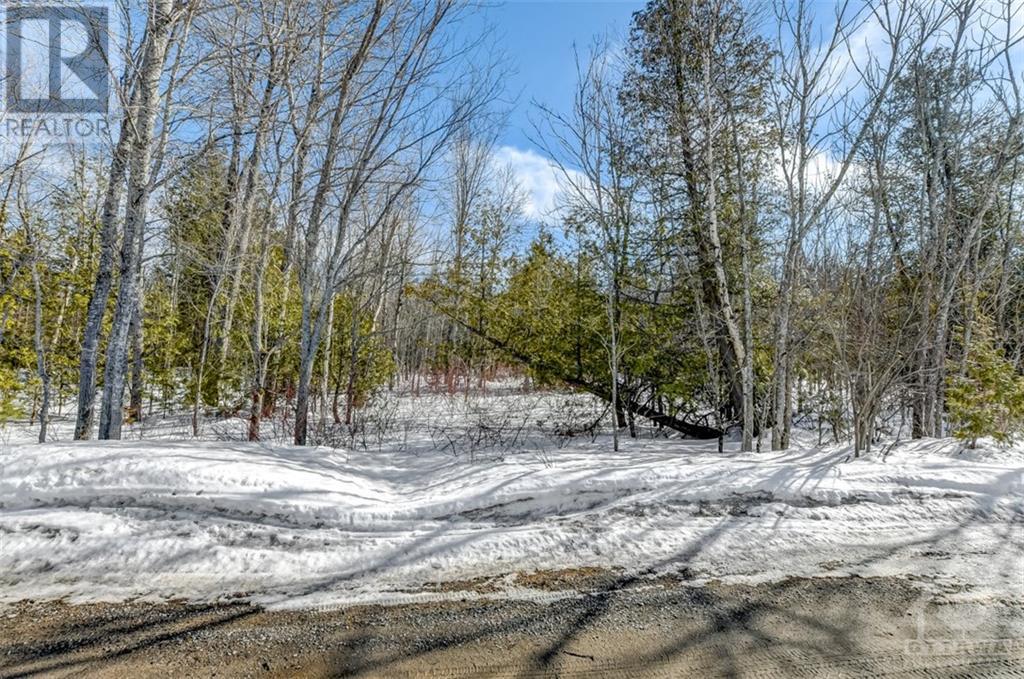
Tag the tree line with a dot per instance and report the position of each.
(777, 216)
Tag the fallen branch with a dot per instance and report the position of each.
(690, 429)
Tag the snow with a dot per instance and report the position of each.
(291, 526)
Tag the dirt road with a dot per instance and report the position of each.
(840, 627)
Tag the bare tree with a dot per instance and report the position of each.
(390, 109)
(590, 150)
(810, 89)
(950, 123)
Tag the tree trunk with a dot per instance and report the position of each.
(158, 33)
(325, 364)
(643, 410)
(353, 363)
(41, 367)
(781, 359)
(614, 371)
(312, 328)
(104, 281)
(260, 357)
(135, 400)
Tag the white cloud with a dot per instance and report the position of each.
(538, 176)
(822, 168)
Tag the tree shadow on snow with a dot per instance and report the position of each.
(797, 626)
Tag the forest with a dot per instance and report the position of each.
(768, 217)
(539, 338)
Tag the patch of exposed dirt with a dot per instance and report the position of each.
(582, 579)
(481, 585)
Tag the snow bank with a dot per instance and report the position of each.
(303, 526)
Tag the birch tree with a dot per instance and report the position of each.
(131, 161)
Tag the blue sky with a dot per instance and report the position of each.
(537, 38)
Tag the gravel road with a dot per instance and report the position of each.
(616, 627)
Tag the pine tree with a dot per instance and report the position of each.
(988, 398)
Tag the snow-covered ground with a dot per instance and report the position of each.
(383, 516)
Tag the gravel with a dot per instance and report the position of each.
(838, 626)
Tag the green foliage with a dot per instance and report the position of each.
(194, 209)
(988, 398)
(57, 237)
(360, 360)
(552, 309)
(185, 298)
(164, 345)
(16, 355)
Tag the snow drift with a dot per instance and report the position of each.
(302, 526)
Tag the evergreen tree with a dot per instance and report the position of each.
(988, 398)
